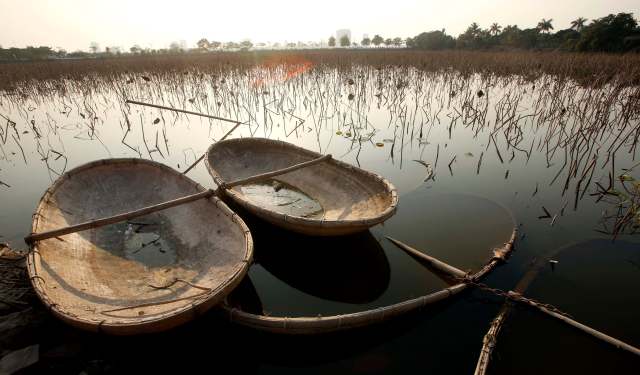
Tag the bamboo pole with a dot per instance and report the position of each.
(117, 218)
(517, 297)
(491, 337)
(238, 123)
(203, 155)
(584, 328)
(162, 206)
(429, 260)
(325, 324)
(278, 172)
(179, 110)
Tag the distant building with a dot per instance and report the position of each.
(365, 36)
(342, 32)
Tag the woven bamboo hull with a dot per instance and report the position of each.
(351, 199)
(151, 274)
(328, 324)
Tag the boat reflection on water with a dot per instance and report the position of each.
(349, 269)
(245, 297)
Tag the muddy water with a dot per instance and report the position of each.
(463, 186)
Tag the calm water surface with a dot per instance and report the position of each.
(480, 180)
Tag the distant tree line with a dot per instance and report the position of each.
(35, 53)
(377, 41)
(613, 33)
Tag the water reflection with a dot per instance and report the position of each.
(460, 229)
(349, 269)
(538, 149)
(296, 275)
(245, 297)
(596, 282)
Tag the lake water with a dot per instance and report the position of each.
(471, 157)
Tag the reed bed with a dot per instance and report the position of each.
(580, 112)
(590, 68)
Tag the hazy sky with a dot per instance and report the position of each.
(74, 24)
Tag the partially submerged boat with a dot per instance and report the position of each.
(142, 275)
(326, 199)
(244, 307)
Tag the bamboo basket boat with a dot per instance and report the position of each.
(236, 310)
(326, 199)
(144, 275)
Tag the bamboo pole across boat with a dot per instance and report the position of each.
(142, 276)
(514, 296)
(116, 218)
(164, 205)
(265, 176)
(339, 198)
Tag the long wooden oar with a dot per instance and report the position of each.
(164, 205)
(517, 297)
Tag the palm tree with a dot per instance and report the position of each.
(545, 25)
(474, 29)
(578, 24)
(495, 29)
